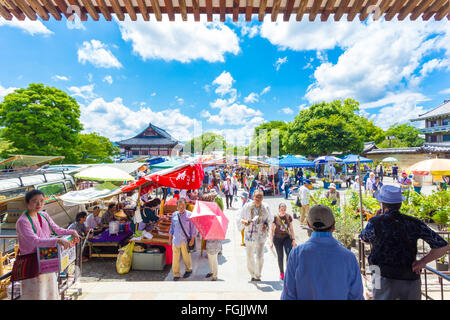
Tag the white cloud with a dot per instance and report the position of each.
(397, 113)
(153, 94)
(434, 64)
(5, 91)
(180, 101)
(108, 79)
(86, 92)
(180, 41)
(98, 54)
(224, 83)
(247, 28)
(265, 90)
(445, 91)
(287, 111)
(251, 98)
(31, 27)
(235, 114)
(279, 62)
(116, 121)
(90, 77)
(61, 78)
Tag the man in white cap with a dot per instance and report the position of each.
(322, 268)
(393, 236)
(256, 217)
(333, 195)
(304, 196)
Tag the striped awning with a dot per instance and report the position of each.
(155, 9)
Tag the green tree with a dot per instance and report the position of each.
(6, 147)
(96, 149)
(407, 135)
(262, 138)
(326, 127)
(208, 142)
(41, 120)
(371, 131)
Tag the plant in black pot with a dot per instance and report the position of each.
(442, 264)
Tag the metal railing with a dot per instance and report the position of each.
(442, 275)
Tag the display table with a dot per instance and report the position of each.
(157, 242)
(105, 240)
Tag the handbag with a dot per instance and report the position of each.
(26, 266)
(298, 202)
(190, 248)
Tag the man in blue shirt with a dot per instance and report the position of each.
(178, 239)
(393, 236)
(321, 268)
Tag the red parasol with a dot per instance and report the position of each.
(209, 220)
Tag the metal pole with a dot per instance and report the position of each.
(361, 247)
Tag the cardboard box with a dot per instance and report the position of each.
(56, 259)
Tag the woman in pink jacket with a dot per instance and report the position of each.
(36, 231)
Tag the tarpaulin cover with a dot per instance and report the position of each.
(188, 177)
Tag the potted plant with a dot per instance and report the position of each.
(347, 227)
(442, 264)
(326, 183)
(441, 218)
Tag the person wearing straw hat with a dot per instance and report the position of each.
(333, 195)
(322, 268)
(393, 236)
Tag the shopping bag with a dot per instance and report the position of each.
(125, 258)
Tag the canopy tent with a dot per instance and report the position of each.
(188, 176)
(103, 173)
(19, 160)
(89, 195)
(167, 164)
(295, 162)
(327, 159)
(353, 158)
(155, 160)
(435, 167)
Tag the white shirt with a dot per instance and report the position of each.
(92, 221)
(304, 196)
(355, 186)
(183, 194)
(253, 232)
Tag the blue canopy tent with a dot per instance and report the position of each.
(353, 158)
(295, 162)
(155, 160)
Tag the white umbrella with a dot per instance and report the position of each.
(103, 173)
(389, 159)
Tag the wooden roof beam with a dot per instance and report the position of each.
(183, 9)
(196, 6)
(384, 5)
(222, 10)
(262, 10)
(368, 9)
(275, 9)
(118, 10)
(235, 10)
(343, 6)
(48, 4)
(26, 9)
(355, 9)
(157, 9)
(410, 6)
(169, 9)
(249, 10)
(314, 10)
(91, 9)
(143, 10)
(420, 9)
(104, 9)
(209, 15)
(396, 8)
(301, 9)
(288, 10)
(61, 5)
(15, 11)
(441, 13)
(434, 9)
(39, 9)
(130, 9)
(327, 10)
(5, 13)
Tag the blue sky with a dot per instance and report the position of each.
(228, 78)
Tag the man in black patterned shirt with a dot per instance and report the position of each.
(393, 237)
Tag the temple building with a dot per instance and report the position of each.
(153, 141)
(437, 124)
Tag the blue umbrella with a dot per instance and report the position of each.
(353, 158)
(295, 162)
(327, 159)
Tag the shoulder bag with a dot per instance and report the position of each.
(26, 266)
(284, 226)
(190, 248)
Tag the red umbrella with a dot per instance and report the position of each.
(209, 220)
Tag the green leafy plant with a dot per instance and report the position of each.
(347, 227)
(441, 217)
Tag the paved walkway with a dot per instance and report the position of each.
(233, 279)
